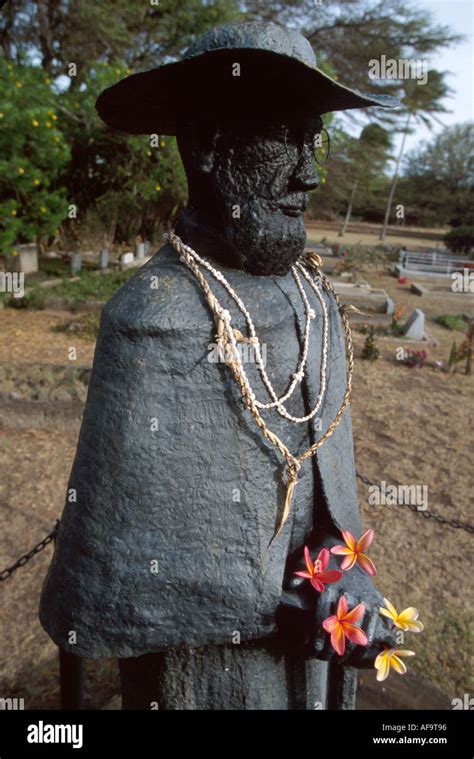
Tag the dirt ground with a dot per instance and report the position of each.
(370, 235)
(410, 426)
(27, 337)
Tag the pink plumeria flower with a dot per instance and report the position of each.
(342, 625)
(354, 552)
(316, 573)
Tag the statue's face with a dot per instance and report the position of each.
(256, 191)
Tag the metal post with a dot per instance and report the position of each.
(71, 677)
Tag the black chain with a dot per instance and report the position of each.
(52, 535)
(427, 514)
(27, 556)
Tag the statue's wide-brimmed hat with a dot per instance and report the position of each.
(249, 70)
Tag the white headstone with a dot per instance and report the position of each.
(415, 326)
(76, 263)
(126, 258)
(25, 259)
(141, 250)
(103, 258)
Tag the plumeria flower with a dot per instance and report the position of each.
(406, 620)
(354, 551)
(342, 625)
(391, 658)
(316, 573)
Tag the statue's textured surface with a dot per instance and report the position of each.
(168, 545)
(170, 495)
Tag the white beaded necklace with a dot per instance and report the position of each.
(299, 375)
(227, 340)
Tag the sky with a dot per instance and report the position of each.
(458, 59)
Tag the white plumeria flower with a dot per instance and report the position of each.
(407, 619)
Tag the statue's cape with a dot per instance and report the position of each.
(174, 493)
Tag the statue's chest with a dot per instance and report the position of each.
(282, 340)
(284, 372)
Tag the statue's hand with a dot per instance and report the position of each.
(314, 607)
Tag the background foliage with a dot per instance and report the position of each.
(55, 152)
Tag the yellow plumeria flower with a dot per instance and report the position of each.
(48, 124)
(47, 80)
(36, 182)
(1, 115)
(54, 117)
(391, 658)
(162, 143)
(18, 84)
(35, 123)
(43, 209)
(117, 71)
(406, 620)
(21, 170)
(158, 188)
(128, 71)
(13, 212)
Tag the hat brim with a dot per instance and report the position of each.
(165, 99)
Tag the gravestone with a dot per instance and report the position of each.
(414, 328)
(103, 258)
(25, 260)
(127, 258)
(75, 263)
(418, 289)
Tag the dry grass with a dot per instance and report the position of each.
(370, 235)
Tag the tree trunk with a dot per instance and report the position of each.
(394, 182)
(342, 231)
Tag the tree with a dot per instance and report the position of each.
(112, 175)
(420, 103)
(141, 35)
(121, 184)
(367, 160)
(349, 33)
(126, 185)
(33, 152)
(370, 351)
(437, 185)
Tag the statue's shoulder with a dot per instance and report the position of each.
(163, 295)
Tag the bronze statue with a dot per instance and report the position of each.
(178, 554)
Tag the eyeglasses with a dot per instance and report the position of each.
(319, 146)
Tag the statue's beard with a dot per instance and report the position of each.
(264, 240)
